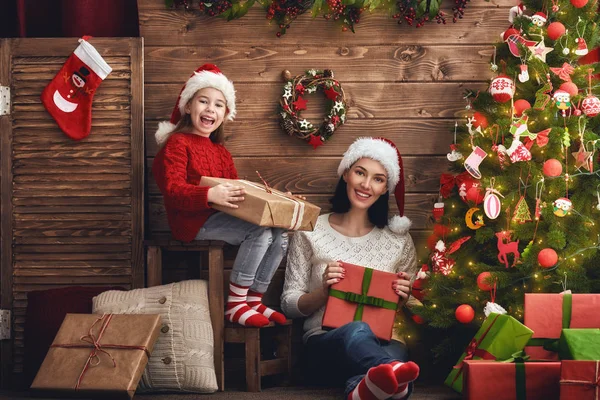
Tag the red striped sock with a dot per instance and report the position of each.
(379, 384)
(237, 310)
(255, 303)
(405, 373)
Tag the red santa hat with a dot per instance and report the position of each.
(385, 152)
(541, 16)
(208, 75)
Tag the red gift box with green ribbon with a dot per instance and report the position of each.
(580, 380)
(548, 314)
(499, 337)
(512, 379)
(365, 294)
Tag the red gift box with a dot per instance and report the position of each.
(366, 295)
(548, 314)
(579, 380)
(484, 379)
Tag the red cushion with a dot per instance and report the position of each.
(46, 310)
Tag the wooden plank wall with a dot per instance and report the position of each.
(72, 211)
(401, 82)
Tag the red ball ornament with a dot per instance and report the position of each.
(547, 258)
(556, 30)
(502, 88)
(475, 195)
(552, 167)
(570, 88)
(483, 281)
(590, 106)
(521, 106)
(418, 319)
(579, 3)
(464, 313)
(479, 120)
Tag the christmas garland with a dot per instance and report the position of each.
(345, 12)
(292, 103)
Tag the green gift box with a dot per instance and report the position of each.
(579, 344)
(498, 338)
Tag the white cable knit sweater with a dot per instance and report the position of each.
(310, 252)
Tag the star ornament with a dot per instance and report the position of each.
(300, 104)
(540, 50)
(315, 141)
(331, 94)
(304, 124)
(582, 158)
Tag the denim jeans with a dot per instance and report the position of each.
(346, 354)
(260, 253)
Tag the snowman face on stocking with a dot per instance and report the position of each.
(562, 206)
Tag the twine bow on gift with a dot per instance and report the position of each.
(92, 341)
(362, 299)
(267, 187)
(587, 384)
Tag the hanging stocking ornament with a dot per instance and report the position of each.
(524, 74)
(68, 97)
(517, 151)
(474, 160)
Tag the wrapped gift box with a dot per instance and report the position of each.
(366, 295)
(548, 314)
(511, 381)
(499, 337)
(98, 355)
(579, 380)
(268, 207)
(579, 344)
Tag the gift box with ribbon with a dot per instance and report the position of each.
(513, 379)
(366, 295)
(265, 206)
(499, 337)
(579, 344)
(97, 355)
(548, 314)
(580, 380)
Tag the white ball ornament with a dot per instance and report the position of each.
(502, 88)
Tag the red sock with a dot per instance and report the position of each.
(237, 310)
(379, 384)
(405, 373)
(255, 302)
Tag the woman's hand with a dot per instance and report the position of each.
(225, 194)
(334, 272)
(296, 196)
(402, 286)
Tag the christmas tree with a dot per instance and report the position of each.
(519, 210)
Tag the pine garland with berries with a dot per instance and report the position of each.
(345, 12)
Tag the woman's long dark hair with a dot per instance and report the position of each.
(378, 212)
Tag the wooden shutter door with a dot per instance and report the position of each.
(72, 211)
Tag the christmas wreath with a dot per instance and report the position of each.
(346, 13)
(292, 103)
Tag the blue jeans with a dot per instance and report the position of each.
(260, 253)
(347, 353)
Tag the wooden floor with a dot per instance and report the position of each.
(275, 393)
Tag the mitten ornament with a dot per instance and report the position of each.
(68, 97)
(472, 162)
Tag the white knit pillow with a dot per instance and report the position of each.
(182, 358)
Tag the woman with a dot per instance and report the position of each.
(358, 232)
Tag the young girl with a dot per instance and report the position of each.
(357, 232)
(192, 147)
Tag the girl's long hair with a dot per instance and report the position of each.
(378, 212)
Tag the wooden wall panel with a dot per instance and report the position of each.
(74, 209)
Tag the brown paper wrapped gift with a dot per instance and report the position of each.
(98, 355)
(264, 206)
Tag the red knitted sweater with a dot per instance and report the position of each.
(177, 169)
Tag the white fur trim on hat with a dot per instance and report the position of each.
(399, 225)
(204, 79)
(375, 149)
(164, 131)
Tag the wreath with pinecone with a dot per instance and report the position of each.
(292, 103)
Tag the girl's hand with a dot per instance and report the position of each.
(402, 286)
(225, 194)
(334, 272)
(296, 196)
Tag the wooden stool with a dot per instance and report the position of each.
(255, 367)
(214, 251)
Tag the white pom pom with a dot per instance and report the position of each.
(440, 246)
(493, 308)
(399, 225)
(165, 128)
